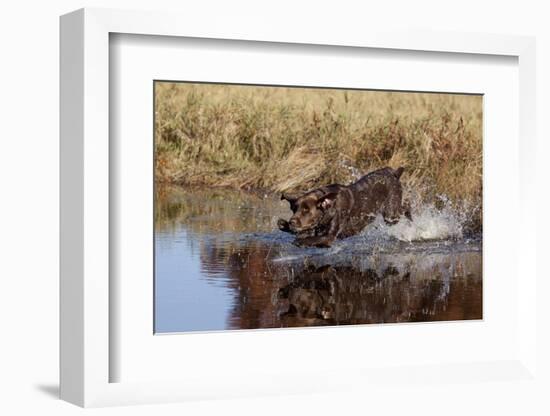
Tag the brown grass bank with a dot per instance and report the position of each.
(282, 139)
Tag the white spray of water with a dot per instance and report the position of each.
(428, 223)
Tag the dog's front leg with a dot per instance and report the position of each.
(318, 241)
(321, 240)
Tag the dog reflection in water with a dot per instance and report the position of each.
(333, 295)
(330, 295)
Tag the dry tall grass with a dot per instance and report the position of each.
(282, 139)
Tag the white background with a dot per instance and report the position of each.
(29, 205)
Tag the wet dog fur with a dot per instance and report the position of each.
(338, 211)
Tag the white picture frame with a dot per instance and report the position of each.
(86, 356)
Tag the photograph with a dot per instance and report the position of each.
(299, 206)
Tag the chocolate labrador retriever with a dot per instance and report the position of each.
(339, 211)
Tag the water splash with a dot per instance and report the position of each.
(428, 223)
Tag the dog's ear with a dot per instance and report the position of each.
(327, 201)
(289, 197)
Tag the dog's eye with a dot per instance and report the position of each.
(305, 210)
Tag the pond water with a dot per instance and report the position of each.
(222, 264)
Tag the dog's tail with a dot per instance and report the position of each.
(398, 172)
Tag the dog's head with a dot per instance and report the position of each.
(309, 209)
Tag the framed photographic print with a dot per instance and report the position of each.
(265, 213)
